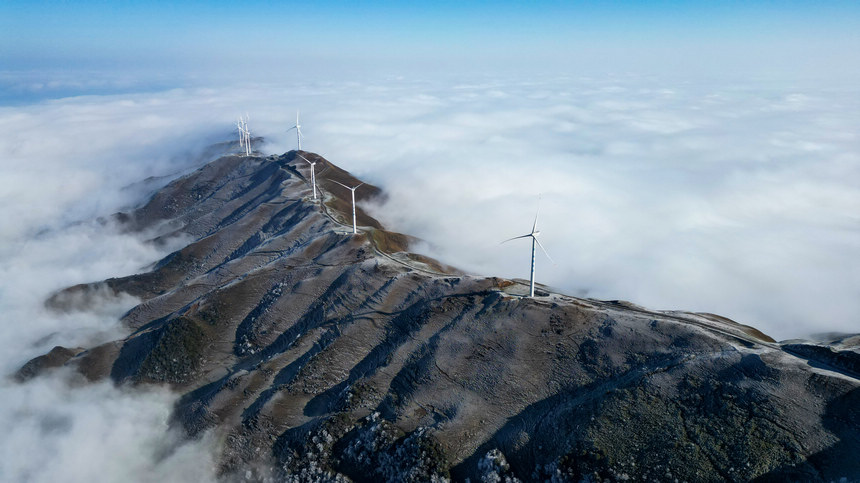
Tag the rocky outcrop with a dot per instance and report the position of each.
(322, 355)
(57, 357)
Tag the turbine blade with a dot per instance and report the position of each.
(537, 213)
(516, 237)
(338, 182)
(290, 129)
(306, 159)
(356, 186)
(544, 250)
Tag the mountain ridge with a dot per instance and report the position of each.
(318, 354)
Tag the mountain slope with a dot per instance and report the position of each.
(316, 353)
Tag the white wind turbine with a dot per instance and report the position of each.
(247, 137)
(244, 135)
(354, 230)
(534, 234)
(314, 179)
(298, 128)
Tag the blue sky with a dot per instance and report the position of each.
(202, 38)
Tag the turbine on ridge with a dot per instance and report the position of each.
(298, 128)
(354, 230)
(534, 234)
(313, 177)
(247, 137)
(244, 135)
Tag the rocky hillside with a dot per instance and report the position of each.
(316, 354)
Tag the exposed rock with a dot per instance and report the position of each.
(320, 355)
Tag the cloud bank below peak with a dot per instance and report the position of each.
(733, 199)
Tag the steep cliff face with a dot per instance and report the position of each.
(319, 354)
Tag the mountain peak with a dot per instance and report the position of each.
(316, 353)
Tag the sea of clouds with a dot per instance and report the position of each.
(736, 198)
(65, 164)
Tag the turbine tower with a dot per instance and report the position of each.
(534, 234)
(298, 128)
(241, 133)
(314, 179)
(354, 230)
(247, 137)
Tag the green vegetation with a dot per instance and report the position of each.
(177, 354)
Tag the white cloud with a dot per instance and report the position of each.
(735, 199)
(65, 163)
(54, 431)
(741, 183)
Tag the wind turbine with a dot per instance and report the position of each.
(247, 136)
(244, 135)
(314, 179)
(354, 231)
(241, 133)
(534, 234)
(298, 128)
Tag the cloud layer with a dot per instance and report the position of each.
(64, 164)
(737, 199)
(57, 432)
(734, 198)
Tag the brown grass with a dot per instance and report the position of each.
(750, 331)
